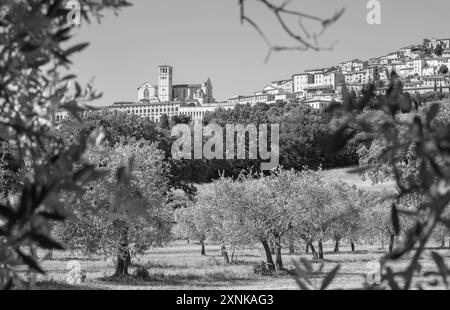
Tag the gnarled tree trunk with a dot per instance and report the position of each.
(352, 245)
(269, 258)
(202, 243)
(313, 250)
(321, 255)
(291, 246)
(225, 254)
(123, 252)
(391, 242)
(336, 245)
(278, 258)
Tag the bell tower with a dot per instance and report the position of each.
(165, 83)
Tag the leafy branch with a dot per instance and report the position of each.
(423, 171)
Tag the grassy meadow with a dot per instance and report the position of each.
(180, 265)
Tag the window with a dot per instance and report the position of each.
(146, 93)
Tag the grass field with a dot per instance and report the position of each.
(354, 179)
(180, 266)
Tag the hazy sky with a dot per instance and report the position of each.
(204, 38)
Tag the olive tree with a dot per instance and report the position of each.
(124, 208)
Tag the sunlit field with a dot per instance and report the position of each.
(345, 175)
(180, 265)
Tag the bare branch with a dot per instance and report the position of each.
(304, 40)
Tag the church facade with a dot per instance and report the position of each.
(165, 91)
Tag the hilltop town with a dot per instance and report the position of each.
(422, 68)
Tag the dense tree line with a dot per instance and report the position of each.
(302, 132)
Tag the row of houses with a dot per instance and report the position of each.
(420, 70)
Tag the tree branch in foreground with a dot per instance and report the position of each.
(304, 40)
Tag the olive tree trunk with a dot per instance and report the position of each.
(352, 245)
(391, 242)
(336, 246)
(291, 246)
(269, 258)
(278, 258)
(202, 243)
(310, 245)
(321, 255)
(225, 254)
(123, 251)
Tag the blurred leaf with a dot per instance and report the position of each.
(73, 108)
(69, 77)
(329, 278)
(44, 241)
(432, 113)
(52, 215)
(8, 286)
(30, 262)
(76, 48)
(96, 137)
(391, 279)
(6, 212)
(307, 265)
(300, 275)
(78, 90)
(338, 140)
(395, 219)
(443, 270)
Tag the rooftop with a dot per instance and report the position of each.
(187, 85)
(139, 104)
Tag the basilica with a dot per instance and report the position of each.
(191, 100)
(165, 91)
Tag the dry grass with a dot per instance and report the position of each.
(355, 179)
(180, 266)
